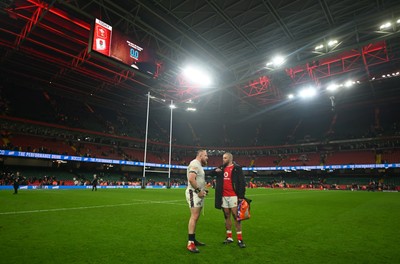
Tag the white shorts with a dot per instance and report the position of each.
(193, 199)
(229, 201)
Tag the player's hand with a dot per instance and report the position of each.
(202, 194)
(218, 170)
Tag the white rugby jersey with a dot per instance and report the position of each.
(195, 166)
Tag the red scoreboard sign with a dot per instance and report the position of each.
(102, 37)
(121, 47)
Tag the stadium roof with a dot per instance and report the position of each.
(45, 44)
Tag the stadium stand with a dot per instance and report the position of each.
(58, 146)
(64, 126)
(351, 157)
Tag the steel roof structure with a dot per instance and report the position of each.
(45, 44)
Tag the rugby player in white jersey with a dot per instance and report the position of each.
(195, 193)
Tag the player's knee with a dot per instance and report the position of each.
(195, 216)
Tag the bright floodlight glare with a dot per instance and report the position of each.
(319, 47)
(385, 26)
(278, 60)
(308, 92)
(197, 76)
(332, 42)
(172, 106)
(348, 83)
(290, 96)
(332, 87)
(191, 109)
(398, 21)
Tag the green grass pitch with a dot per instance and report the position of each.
(150, 226)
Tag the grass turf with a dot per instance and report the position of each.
(150, 226)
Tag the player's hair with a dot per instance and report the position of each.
(230, 156)
(200, 151)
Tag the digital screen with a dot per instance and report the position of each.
(102, 37)
(114, 44)
(36, 155)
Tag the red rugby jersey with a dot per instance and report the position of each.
(228, 189)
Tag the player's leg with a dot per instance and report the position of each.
(227, 217)
(228, 221)
(195, 205)
(238, 224)
(194, 217)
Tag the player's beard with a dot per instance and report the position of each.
(203, 162)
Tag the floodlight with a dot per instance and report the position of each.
(385, 26)
(197, 75)
(172, 106)
(383, 76)
(332, 87)
(290, 96)
(319, 47)
(278, 60)
(308, 92)
(332, 42)
(398, 21)
(348, 84)
(191, 109)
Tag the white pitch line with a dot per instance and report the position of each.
(138, 202)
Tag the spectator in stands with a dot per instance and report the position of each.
(230, 189)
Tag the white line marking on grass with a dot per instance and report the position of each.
(138, 202)
(175, 202)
